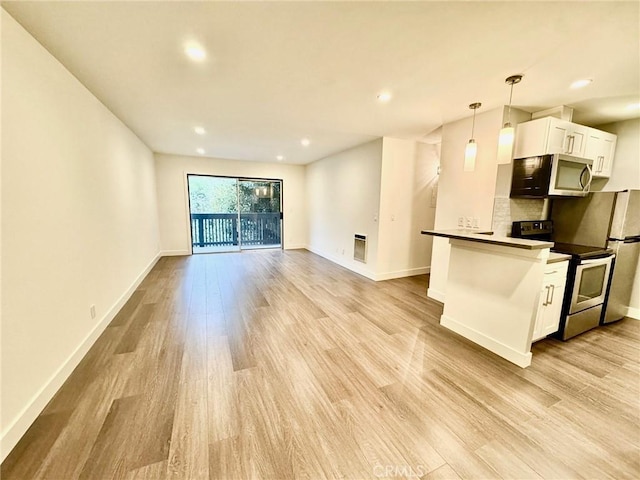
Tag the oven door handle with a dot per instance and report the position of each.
(603, 261)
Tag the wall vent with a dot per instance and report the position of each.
(360, 248)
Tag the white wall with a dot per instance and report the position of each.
(383, 189)
(173, 202)
(460, 193)
(409, 182)
(79, 224)
(343, 198)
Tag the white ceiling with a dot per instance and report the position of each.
(279, 71)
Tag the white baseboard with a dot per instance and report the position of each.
(14, 432)
(295, 247)
(435, 294)
(633, 313)
(521, 359)
(354, 268)
(174, 253)
(411, 272)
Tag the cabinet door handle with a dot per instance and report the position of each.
(546, 298)
(553, 290)
(551, 273)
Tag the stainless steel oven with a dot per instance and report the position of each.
(591, 282)
(586, 293)
(588, 278)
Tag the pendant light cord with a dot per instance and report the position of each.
(512, 80)
(473, 123)
(509, 111)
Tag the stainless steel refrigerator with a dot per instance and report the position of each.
(605, 219)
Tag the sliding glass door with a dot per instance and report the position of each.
(230, 214)
(260, 213)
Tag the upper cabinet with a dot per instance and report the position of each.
(566, 137)
(550, 135)
(600, 148)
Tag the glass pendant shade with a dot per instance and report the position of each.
(472, 147)
(470, 156)
(506, 137)
(505, 145)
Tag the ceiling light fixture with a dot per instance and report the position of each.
(507, 133)
(581, 83)
(200, 130)
(200, 151)
(384, 97)
(472, 147)
(195, 52)
(633, 106)
(280, 158)
(305, 142)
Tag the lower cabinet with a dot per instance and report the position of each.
(551, 296)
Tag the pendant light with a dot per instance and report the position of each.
(505, 140)
(472, 147)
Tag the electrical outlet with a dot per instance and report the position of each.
(92, 311)
(468, 222)
(474, 222)
(461, 221)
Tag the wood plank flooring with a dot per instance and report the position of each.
(282, 365)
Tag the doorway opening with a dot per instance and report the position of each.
(231, 214)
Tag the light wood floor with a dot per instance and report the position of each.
(281, 365)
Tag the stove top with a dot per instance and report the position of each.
(543, 230)
(581, 251)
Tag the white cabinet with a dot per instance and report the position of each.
(550, 303)
(600, 147)
(550, 135)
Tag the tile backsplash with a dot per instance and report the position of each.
(508, 210)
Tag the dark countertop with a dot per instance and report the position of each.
(489, 237)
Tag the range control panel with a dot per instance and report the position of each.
(532, 228)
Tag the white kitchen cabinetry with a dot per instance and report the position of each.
(600, 148)
(550, 303)
(550, 135)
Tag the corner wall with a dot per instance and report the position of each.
(385, 189)
(79, 224)
(409, 181)
(460, 193)
(343, 198)
(173, 199)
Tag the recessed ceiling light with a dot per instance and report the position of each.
(305, 142)
(200, 151)
(279, 158)
(195, 52)
(384, 96)
(581, 83)
(200, 130)
(633, 106)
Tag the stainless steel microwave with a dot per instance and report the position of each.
(551, 176)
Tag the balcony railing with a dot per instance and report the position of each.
(221, 229)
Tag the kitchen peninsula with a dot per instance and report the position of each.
(493, 290)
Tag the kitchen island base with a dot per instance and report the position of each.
(492, 293)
